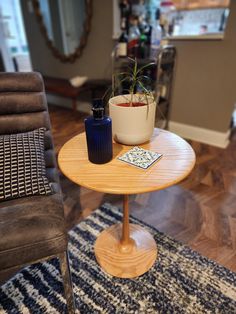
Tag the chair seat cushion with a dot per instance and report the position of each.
(22, 165)
(31, 228)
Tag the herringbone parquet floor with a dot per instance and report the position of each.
(201, 211)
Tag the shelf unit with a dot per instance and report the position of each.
(165, 76)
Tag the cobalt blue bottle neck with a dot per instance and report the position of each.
(98, 113)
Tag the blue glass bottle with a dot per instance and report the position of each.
(98, 134)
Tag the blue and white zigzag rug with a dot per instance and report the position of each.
(181, 280)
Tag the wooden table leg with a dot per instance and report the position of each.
(126, 243)
(125, 231)
(125, 250)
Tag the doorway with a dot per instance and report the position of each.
(14, 51)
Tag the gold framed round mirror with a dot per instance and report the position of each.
(65, 25)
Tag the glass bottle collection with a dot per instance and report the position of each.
(140, 38)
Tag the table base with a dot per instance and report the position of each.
(125, 260)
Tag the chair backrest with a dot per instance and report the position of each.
(23, 107)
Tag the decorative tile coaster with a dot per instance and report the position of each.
(140, 157)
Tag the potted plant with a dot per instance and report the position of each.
(133, 114)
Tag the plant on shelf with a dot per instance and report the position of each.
(133, 110)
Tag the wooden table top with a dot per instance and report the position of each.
(117, 177)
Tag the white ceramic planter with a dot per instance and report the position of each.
(132, 125)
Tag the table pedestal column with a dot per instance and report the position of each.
(125, 250)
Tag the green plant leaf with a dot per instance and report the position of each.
(143, 87)
(123, 73)
(135, 78)
(145, 77)
(146, 66)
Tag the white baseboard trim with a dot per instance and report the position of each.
(214, 138)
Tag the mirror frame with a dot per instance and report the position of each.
(83, 40)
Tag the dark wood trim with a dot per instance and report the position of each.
(78, 51)
(63, 87)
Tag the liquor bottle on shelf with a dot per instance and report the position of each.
(125, 11)
(122, 46)
(133, 37)
(156, 37)
(145, 37)
(125, 8)
(98, 134)
(143, 47)
(166, 7)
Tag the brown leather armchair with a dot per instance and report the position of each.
(32, 229)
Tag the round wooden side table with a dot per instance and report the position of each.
(127, 250)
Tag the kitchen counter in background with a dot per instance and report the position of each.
(207, 24)
(215, 36)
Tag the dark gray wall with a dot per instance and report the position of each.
(96, 59)
(205, 89)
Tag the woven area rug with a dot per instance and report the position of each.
(181, 281)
